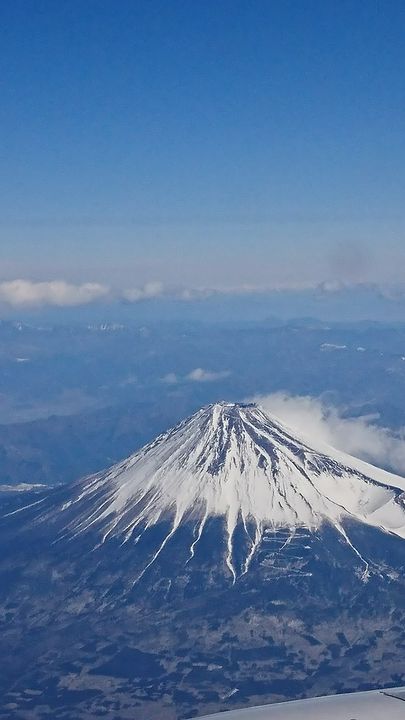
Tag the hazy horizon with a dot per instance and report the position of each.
(156, 145)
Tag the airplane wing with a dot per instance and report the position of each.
(372, 705)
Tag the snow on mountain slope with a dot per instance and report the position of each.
(235, 461)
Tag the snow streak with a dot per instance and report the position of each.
(235, 462)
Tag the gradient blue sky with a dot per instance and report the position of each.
(202, 143)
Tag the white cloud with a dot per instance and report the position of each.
(20, 292)
(54, 292)
(200, 375)
(157, 289)
(170, 379)
(189, 294)
(359, 436)
(196, 375)
(146, 292)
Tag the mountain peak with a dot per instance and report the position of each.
(233, 461)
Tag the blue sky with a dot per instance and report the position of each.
(202, 144)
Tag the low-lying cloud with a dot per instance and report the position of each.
(359, 436)
(54, 292)
(170, 379)
(201, 375)
(198, 375)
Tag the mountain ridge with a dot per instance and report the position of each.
(232, 461)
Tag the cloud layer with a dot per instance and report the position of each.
(360, 436)
(147, 292)
(55, 292)
(23, 292)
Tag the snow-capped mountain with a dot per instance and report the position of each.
(229, 562)
(235, 462)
